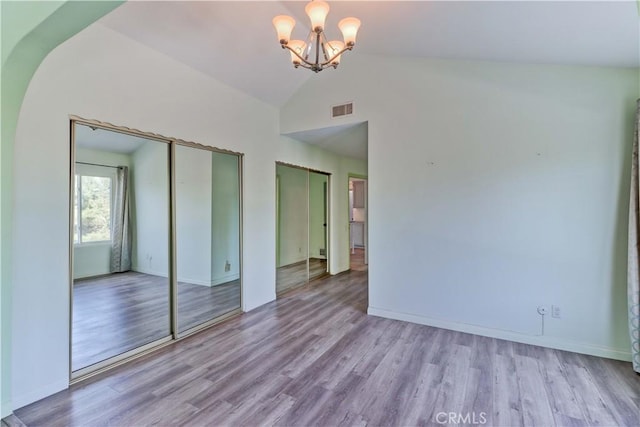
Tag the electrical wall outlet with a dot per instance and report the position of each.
(542, 310)
(323, 252)
(555, 311)
(227, 266)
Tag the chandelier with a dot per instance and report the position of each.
(316, 53)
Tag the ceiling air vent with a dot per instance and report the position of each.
(342, 110)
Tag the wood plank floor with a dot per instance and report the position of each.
(293, 275)
(120, 312)
(356, 260)
(313, 357)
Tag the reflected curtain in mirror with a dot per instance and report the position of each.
(121, 237)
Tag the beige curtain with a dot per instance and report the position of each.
(633, 271)
(120, 236)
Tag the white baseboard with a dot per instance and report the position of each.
(221, 280)
(42, 392)
(210, 283)
(150, 272)
(194, 281)
(542, 341)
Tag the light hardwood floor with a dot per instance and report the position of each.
(313, 357)
(356, 260)
(120, 312)
(294, 275)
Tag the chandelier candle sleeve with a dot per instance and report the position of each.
(284, 26)
(349, 28)
(316, 53)
(317, 11)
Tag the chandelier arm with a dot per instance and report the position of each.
(336, 55)
(284, 46)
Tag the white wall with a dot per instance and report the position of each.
(293, 215)
(103, 75)
(225, 218)
(493, 188)
(150, 206)
(90, 260)
(193, 215)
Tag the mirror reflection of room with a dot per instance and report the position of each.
(122, 275)
(120, 262)
(357, 223)
(302, 226)
(207, 234)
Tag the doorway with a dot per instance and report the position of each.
(358, 223)
(302, 226)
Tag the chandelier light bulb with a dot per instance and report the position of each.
(349, 28)
(317, 11)
(284, 26)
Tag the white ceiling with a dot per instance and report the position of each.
(348, 140)
(234, 41)
(106, 140)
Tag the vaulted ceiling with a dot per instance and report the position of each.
(234, 41)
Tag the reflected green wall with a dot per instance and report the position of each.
(293, 211)
(29, 31)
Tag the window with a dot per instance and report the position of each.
(92, 209)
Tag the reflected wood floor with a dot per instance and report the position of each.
(356, 260)
(313, 357)
(293, 275)
(119, 312)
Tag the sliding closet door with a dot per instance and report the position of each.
(155, 241)
(292, 227)
(120, 245)
(207, 234)
(302, 246)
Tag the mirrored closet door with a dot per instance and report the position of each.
(302, 226)
(120, 257)
(207, 234)
(155, 232)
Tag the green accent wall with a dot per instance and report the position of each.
(29, 31)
